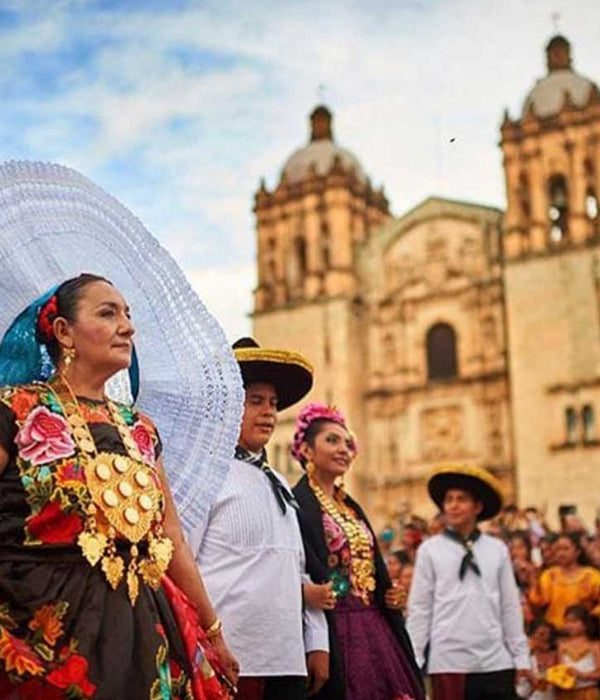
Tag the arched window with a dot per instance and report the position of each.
(570, 425)
(588, 420)
(325, 246)
(300, 249)
(271, 262)
(441, 352)
(523, 197)
(558, 208)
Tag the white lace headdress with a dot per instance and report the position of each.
(55, 224)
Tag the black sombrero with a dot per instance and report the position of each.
(289, 372)
(478, 481)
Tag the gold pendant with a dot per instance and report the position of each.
(161, 550)
(113, 568)
(92, 544)
(152, 573)
(133, 585)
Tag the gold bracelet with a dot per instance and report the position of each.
(214, 629)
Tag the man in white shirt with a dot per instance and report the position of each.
(250, 551)
(464, 604)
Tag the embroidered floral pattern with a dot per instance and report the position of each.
(339, 560)
(31, 656)
(50, 471)
(144, 441)
(44, 437)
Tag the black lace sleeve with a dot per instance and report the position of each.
(8, 428)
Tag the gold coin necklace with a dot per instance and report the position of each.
(123, 490)
(362, 566)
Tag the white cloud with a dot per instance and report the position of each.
(402, 79)
(224, 292)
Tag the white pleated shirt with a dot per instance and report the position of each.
(251, 558)
(474, 625)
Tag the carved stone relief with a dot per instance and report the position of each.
(443, 433)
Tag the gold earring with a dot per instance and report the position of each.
(69, 354)
(310, 467)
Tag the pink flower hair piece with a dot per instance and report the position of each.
(309, 414)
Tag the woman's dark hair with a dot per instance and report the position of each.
(540, 622)
(68, 295)
(582, 614)
(522, 536)
(575, 540)
(401, 556)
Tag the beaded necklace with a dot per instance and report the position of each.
(362, 566)
(123, 489)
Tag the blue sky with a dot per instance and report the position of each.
(178, 108)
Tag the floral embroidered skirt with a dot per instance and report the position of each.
(375, 666)
(66, 635)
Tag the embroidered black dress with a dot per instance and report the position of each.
(64, 632)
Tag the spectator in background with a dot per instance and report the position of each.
(519, 547)
(565, 584)
(542, 644)
(581, 653)
(411, 539)
(436, 525)
(386, 540)
(394, 562)
(546, 548)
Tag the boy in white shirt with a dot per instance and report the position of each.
(464, 603)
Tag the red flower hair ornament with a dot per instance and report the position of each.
(46, 317)
(308, 415)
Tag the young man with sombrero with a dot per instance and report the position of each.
(464, 605)
(251, 551)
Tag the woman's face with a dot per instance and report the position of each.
(102, 332)
(518, 550)
(541, 638)
(565, 552)
(573, 625)
(332, 452)
(394, 567)
(407, 576)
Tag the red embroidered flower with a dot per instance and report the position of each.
(44, 437)
(47, 620)
(18, 655)
(53, 526)
(46, 317)
(73, 672)
(22, 402)
(70, 474)
(94, 414)
(143, 440)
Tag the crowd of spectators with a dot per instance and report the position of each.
(557, 572)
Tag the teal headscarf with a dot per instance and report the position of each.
(24, 359)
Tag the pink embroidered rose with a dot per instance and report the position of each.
(333, 533)
(44, 437)
(143, 440)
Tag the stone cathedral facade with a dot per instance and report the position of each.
(455, 332)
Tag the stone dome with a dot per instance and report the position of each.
(321, 152)
(548, 96)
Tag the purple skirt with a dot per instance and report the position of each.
(375, 666)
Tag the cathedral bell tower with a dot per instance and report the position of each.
(551, 248)
(308, 225)
(308, 228)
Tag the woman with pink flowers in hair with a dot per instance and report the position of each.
(370, 652)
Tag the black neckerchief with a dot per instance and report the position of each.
(284, 496)
(468, 561)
